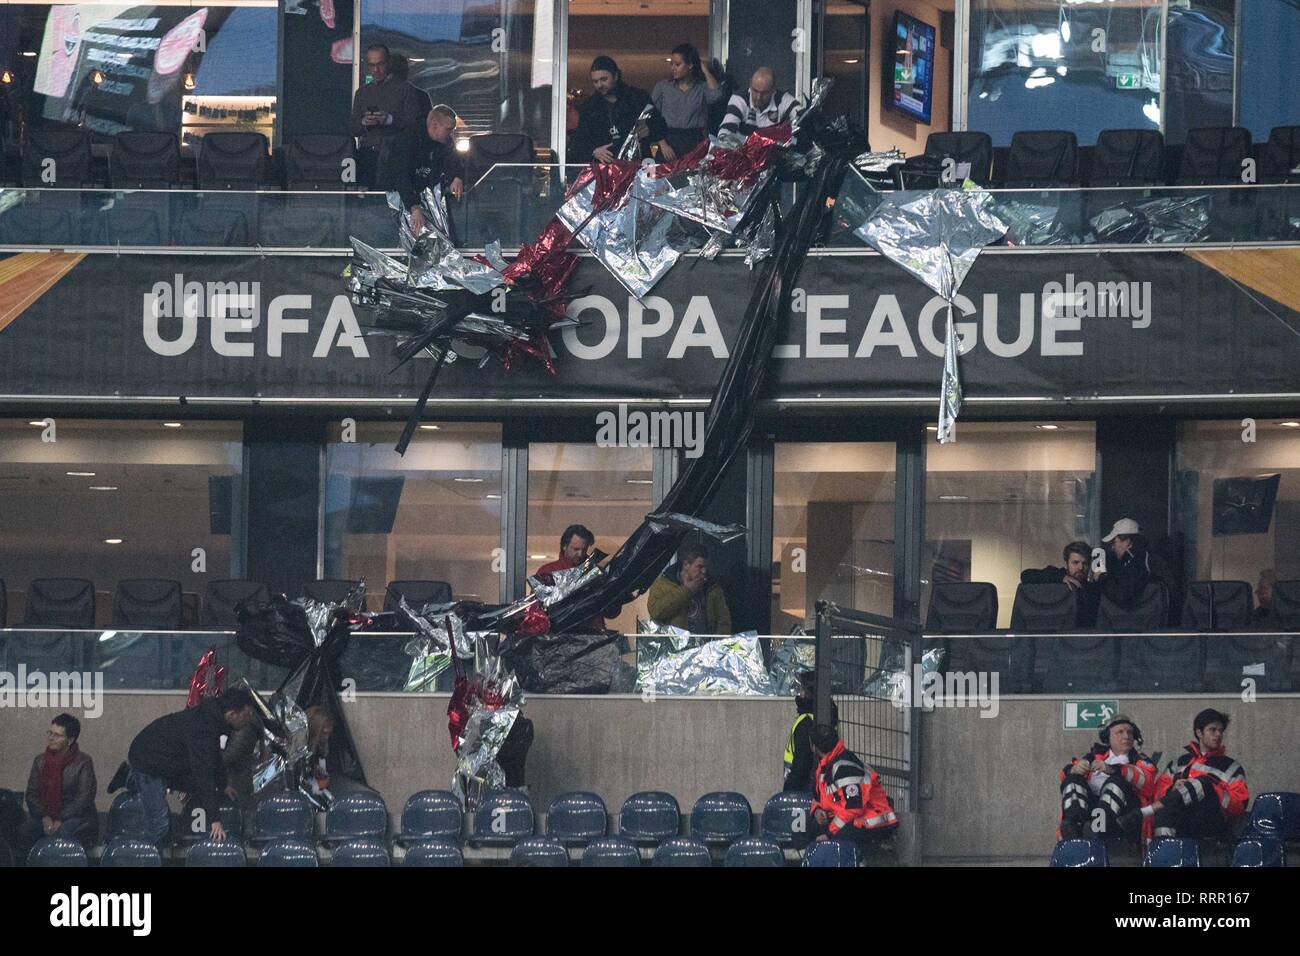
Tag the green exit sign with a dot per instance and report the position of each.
(1088, 714)
(1128, 81)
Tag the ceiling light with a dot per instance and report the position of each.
(852, 61)
(38, 424)
(472, 481)
(1289, 424)
(462, 146)
(1048, 428)
(29, 52)
(430, 428)
(103, 487)
(80, 474)
(6, 77)
(538, 557)
(492, 497)
(112, 540)
(954, 497)
(932, 428)
(171, 424)
(640, 481)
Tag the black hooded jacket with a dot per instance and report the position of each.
(184, 750)
(602, 123)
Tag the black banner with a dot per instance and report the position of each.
(1058, 325)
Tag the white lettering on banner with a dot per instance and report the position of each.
(612, 324)
(638, 331)
(699, 312)
(887, 310)
(817, 327)
(341, 322)
(1026, 336)
(223, 325)
(277, 325)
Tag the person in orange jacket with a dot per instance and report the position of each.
(850, 802)
(1204, 792)
(1103, 791)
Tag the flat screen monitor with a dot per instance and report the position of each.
(1244, 505)
(913, 82)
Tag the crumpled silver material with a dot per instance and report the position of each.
(319, 617)
(646, 626)
(717, 204)
(629, 148)
(788, 661)
(821, 86)
(1172, 219)
(936, 235)
(761, 243)
(284, 734)
(566, 581)
(1040, 223)
(880, 161)
(730, 665)
(892, 681)
(630, 237)
(438, 628)
(495, 701)
(672, 521)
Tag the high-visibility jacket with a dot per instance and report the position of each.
(1140, 771)
(851, 793)
(790, 750)
(1214, 769)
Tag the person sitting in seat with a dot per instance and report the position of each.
(850, 802)
(1077, 556)
(1203, 793)
(61, 789)
(1103, 792)
(1131, 566)
(1262, 616)
(685, 597)
(764, 105)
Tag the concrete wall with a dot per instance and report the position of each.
(996, 792)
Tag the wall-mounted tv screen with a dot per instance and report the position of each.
(913, 84)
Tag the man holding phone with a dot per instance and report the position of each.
(607, 117)
(386, 113)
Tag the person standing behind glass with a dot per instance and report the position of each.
(437, 164)
(683, 101)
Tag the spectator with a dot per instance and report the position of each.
(799, 763)
(320, 726)
(1103, 791)
(683, 101)
(238, 761)
(683, 595)
(764, 106)
(1204, 792)
(609, 115)
(400, 67)
(61, 789)
(575, 546)
(1263, 614)
(849, 801)
(438, 164)
(1077, 555)
(385, 114)
(182, 751)
(1132, 566)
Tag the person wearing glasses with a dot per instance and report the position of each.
(386, 113)
(61, 789)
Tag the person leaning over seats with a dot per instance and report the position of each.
(849, 802)
(1104, 791)
(1202, 793)
(684, 596)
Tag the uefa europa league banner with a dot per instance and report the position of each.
(1054, 325)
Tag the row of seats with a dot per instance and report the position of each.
(972, 606)
(159, 604)
(1049, 159)
(147, 159)
(1172, 851)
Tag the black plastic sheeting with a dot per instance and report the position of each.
(570, 664)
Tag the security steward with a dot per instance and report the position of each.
(1203, 793)
(850, 802)
(799, 763)
(1103, 791)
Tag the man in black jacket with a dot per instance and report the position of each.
(434, 162)
(183, 752)
(1131, 566)
(799, 760)
(1077, 555)
(607, 117)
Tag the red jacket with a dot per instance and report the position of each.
(546, 573)
(1216, 769)
(1140, 772)
(851, 793)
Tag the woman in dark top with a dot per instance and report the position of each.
(683, 101)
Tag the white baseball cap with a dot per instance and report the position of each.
(1124, 526)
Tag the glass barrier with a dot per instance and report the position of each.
(1157, 215)
(1091, 662)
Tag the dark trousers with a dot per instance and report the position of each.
(1086, 814)
(1202, 817)
(866, 841)
(513, 755)
(84, 829)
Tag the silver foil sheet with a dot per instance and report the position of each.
(672, 521)
(788, 660)
(729, 665)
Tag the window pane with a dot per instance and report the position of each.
(1238, 503)
(161, 492)
(605, 489)
(832, 529)
(490, 62)
(1003, 498)
(433, 515)
(1044, 64)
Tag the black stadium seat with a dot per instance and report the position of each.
(60, 602)
(967, 146)
(1281, 156)
(649, 817)
(962, 607)
(539, 851)
(1128, 157)
(1163, 664)
(144, 159)
(1012, 657)
(316, 161)
(503, 819)
(1044, 607)
(611, 852)
(224, 596)
(147, 603)
(1231, 659)
(1150, 613)
(417, 593)
(1229, 610)
(576, 818)
(682, 852)
(431, 815)
(1070, 665)
(785, 815)
(1285, 615)
(1213, 156)
(721, 818)
(70, 151)
(361, 853)
(329, 590)
(232, 161)
(496, 206)
(1079, 853)
(1042, 159)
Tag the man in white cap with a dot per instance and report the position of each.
(1131, 567)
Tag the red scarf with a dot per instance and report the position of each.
(52, 779)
